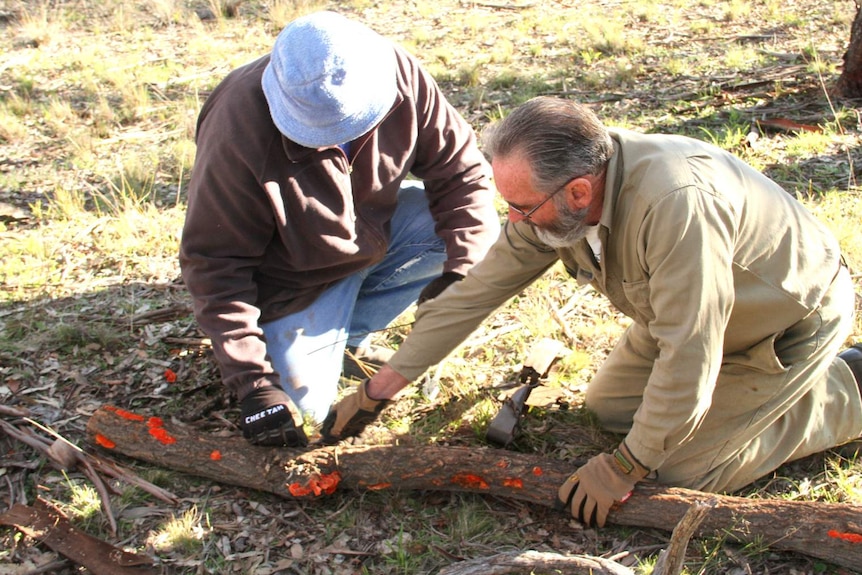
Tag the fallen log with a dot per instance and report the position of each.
(827, 531)
(65, 455)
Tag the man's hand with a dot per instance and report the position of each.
(351, 415)
(436, 286)
(605, 479)
(268, 417)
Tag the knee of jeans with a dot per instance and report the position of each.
(313, 400)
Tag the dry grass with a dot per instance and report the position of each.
(98, 102)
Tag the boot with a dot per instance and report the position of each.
(852, 356)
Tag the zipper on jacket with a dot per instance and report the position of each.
(364, 141)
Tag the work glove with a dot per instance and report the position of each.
(595, 487)
(350, 416)
(436, 286)
(268, 417)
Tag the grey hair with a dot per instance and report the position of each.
(560, 139)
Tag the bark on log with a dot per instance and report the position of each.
(850, 82)
(49, 526)
(828, 531)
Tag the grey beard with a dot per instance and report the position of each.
(567, 231)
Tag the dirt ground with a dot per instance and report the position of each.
(156, 361)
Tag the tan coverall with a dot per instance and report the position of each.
(740, 305)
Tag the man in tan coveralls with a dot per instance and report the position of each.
(739, 297)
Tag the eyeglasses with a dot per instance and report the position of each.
(526, 215)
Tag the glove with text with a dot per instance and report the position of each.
(436, 286)
(606, 479)
(350, 416)
(268, 417)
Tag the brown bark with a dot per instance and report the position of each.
(828, 531)
(50, 527)
(850, 82)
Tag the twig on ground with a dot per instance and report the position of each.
(47, 524)
(564, 325)
(159, 315)
(65, 455)
(671, 560)
(535, 561)
(8, 411)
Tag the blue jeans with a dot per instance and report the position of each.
(306, 348)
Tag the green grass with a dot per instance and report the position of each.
(98, 103)
(182, 534)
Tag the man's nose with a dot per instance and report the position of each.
(515, 216)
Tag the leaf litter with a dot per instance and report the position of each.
(111, 337)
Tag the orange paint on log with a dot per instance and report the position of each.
(328, 482)
(469, 481)
(162, 436)
(154, 427)
(537, 471)
(515, 482)
(502, 464)
(379, 486)
(104, 441)
(851, 537)
(125, 414)
(317, 485)
(215, 455)
(298, 490)
(170, 375)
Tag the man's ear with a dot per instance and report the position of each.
(579, 193)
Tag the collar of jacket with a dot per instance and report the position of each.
(297, 153)
(613, 182)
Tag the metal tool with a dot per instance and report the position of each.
(503, 428)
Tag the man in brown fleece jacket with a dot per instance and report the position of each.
(303, 234)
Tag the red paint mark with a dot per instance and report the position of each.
(170, 375)
(162, 436)
(515, 482)
(537, 471)
(125, 414)
(154, 427)
(215, 455)
(104, 441)
(298, 490)
(469, 481)
(851, 537)
(317, 485)
(380, 486)
(327, 483)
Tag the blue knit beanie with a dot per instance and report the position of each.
(329, 80)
